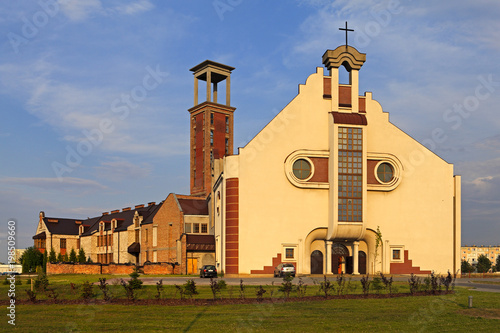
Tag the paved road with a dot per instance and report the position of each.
(308, 280)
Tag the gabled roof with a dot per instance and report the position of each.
(63, 226)
(124, 218)
(150, 214)
(193, 206)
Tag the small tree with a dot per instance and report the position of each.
(52, 255)
(59, 257)
(87, 290)
(378, 244)
(30, 259)
(72, 255)
(65, 257)
(134, 282)
(483, 264)
(45, 259)
(498, 264)
(326, 286)
(287, 285)
(466, 267)
(81, 256)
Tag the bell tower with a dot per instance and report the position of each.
(211, 124)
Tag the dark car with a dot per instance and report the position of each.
(283, 269)
(208, 271)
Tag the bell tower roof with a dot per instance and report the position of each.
(344, 55)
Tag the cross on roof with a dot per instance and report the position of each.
(346, 31)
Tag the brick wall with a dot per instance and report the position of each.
(73, 268)
(96, 268)
(161, 268)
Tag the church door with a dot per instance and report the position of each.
(362, 262)
(349, 265)
(339, 255)
(316, 262)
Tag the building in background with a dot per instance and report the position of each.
(471, 253)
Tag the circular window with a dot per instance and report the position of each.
(301, 169)
(385, 172)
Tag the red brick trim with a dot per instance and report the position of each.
(349, 118)
(232, 223)
(406, 267)
(320, 169)
(269, 269)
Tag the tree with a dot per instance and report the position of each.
(65, 257)
(59, 257)
(72, 255)
(466, 267)
(81, 256)
(52, 255)
(483, 264)
(45, 259)
(498, 264)
(30, 259)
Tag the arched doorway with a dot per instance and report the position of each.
(362, 262)
(339, 255)
(316, 262)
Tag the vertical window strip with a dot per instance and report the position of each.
(350, 168)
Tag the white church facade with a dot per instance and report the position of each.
(331, 185)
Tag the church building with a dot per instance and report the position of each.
(329, 185)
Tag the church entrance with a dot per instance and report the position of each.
(316, 262)
(339, 256)
(362, 262)
(349, 263)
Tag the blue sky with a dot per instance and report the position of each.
(66, 68)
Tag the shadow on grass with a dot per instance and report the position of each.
(195, 319)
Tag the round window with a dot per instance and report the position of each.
(385, 172)
(301, 169)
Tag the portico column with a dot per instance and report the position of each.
(355, 254)
(328, 245)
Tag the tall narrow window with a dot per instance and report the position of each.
(227, 124)
(63, 243)
(211, 137)
(155, 236)
(350, 144)
(211, 118)
(227, 146)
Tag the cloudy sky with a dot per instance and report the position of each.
(94, 94)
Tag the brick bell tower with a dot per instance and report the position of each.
(211, 125)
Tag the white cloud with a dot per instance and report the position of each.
(119, 169)
(73, 107)
(135, 7)
(67, 183)
(77, 10)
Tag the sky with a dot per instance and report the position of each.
(94, 94)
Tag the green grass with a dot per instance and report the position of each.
(406, 314)
(62, 285)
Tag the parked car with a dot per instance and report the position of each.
(208, 271)
(283, 269)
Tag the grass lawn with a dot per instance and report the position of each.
(408, 314)
(447, 313)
